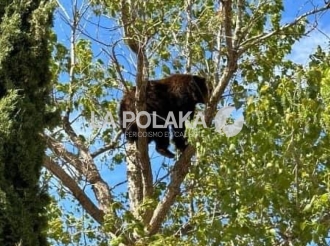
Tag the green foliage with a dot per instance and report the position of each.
(269, 182)
(7, 109)
(56, 231)
(24, 94)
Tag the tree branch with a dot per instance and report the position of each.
(127, 18)
(107, 147)
(188, 53)
(134, 176)
(141, 159)
(227, 13)
(60, 151)
(178, 174)
(142, 144)
(231, 65)
(134, 179)
(76, 191)
(83, 199)
(259, 38)
(239, 23)
(99, 186)
(85, 168)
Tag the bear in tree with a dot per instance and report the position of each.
(174, 94)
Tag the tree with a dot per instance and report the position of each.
(219, 191)
(24, 95)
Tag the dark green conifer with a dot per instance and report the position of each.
(24, 93)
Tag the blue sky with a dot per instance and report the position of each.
(320, 36)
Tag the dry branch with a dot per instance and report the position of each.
(260, 38)
(85, 167)
(178, 174)
(76, 191)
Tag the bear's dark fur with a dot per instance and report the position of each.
(179, 92)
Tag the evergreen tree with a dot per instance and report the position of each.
(24, 93)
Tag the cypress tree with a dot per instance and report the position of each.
(24, 93)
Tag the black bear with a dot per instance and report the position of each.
(174, 94)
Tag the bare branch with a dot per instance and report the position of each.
(100, 187)
(110, 146)
(178, 174)
(64, 10)
(184, 230)
(114, 58)
(82, 198)
(87, 169)
(118, 69)
(323, 33)
(259, 38)
(256, 16)
(76, 191)
(60, 151)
